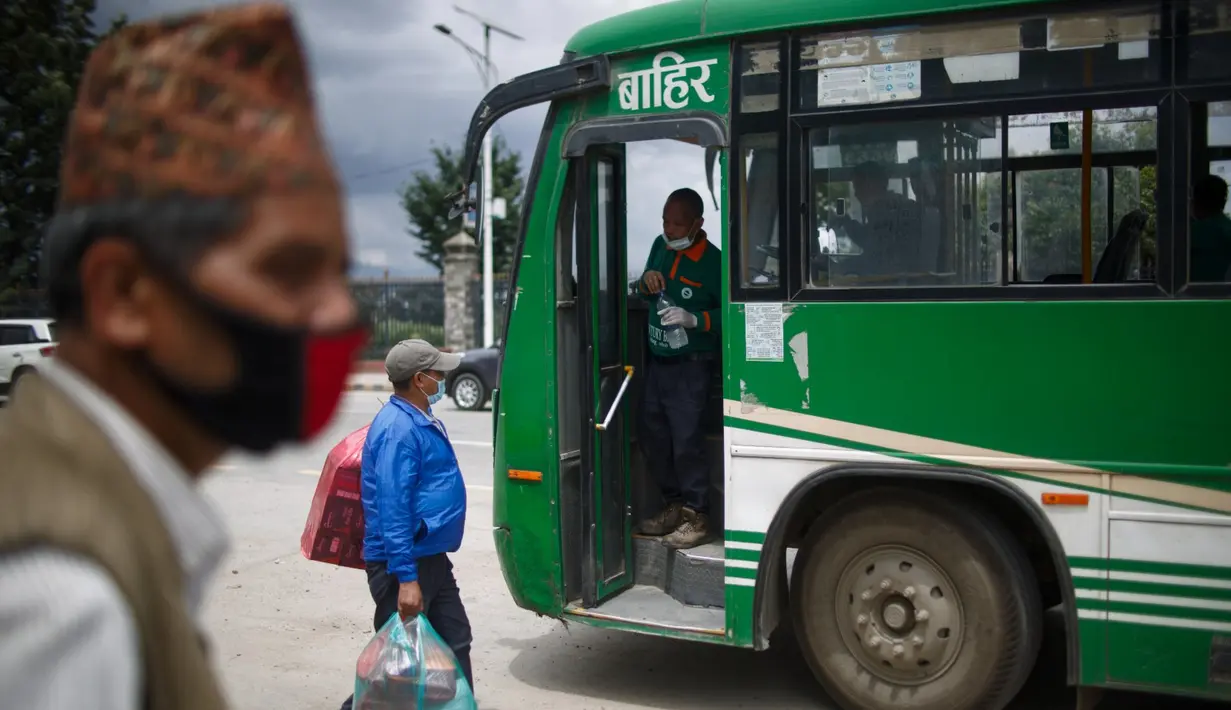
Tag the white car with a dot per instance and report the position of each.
(23, 345)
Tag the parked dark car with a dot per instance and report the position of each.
(471, 384)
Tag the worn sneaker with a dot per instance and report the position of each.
(668, 519)
(692, 531)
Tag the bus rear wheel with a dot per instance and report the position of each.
(906, 598)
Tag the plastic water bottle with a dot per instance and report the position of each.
(675, 336)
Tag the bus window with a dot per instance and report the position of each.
(759, 77)
(1210, 226)
(1208, 42)
(757, 148)
(1218, 141)
(905, 203)
(566, 228)
(977, 60)
(1045, 170)
(1218, 132)
(758, 192)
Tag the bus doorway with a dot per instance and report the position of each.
(603, 356)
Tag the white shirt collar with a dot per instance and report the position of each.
(196, 528)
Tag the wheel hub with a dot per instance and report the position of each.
(466, 392)
(898, 614)
(902, 615)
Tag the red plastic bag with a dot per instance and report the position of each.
(334, 531)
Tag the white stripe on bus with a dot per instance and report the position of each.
(754, 546)
(1151, 578)
(1145, 620)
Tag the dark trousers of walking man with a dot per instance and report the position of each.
(673, 441)
(442, 605)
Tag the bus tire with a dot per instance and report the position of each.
(904, 598)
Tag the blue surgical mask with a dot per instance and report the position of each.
(440, 391)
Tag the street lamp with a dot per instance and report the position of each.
(488, 71)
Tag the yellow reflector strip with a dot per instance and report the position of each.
(515, 475)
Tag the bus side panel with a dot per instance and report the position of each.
(1122, 400)
(526, 513)
(1132, 387)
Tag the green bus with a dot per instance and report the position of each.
(1015, 398)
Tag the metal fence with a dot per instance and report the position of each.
(397, 309)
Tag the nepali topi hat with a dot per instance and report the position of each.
(215, 104)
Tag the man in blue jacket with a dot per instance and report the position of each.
(414, 501)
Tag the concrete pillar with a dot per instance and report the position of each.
(461, 261)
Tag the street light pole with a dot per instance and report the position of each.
(488, 71)
(489, 297)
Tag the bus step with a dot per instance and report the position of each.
(694, 577)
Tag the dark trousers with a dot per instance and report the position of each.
(672, 434)
(442, 605)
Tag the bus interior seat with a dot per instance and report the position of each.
(1116, 263)
(1117, 259)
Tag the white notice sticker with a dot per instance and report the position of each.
(869, 84)
(763, 332)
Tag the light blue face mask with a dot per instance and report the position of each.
(677, 244)
(440, 391)
(683, 242)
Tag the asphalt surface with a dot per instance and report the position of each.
(286, 631)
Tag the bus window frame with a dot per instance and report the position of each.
(802, 124)
(1173, 95)
(749, 124)
(1178, 61)
(1186, 99)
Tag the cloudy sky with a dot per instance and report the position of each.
(390, 87)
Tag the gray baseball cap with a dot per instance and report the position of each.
(410, 357)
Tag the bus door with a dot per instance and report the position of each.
(600, 249)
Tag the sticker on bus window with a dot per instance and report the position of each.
(869, 84)
(763, 332)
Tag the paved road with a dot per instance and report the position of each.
(286, 631)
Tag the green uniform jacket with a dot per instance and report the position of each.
(694, 283)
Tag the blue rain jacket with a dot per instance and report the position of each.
(414, 498)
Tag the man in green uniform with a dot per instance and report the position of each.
(685, 267)
(1210, 259)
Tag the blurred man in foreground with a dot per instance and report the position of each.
(196, 267)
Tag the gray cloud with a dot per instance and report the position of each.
(389, 87)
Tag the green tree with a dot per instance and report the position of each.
(423, 198)
(43, 48)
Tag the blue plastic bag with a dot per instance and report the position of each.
(407, 666)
